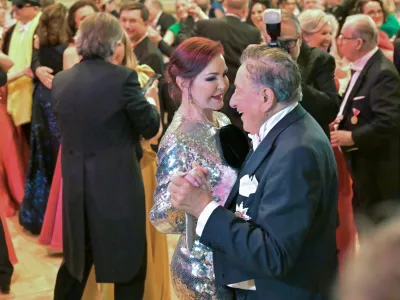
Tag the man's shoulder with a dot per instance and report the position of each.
(302, 133)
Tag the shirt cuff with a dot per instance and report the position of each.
(204, 216)
(151, 101)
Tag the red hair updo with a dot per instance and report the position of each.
(188, 60)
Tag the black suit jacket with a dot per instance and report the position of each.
(289, 244)
(376, 95)
(102, 116)
(396, 54)
(235, 36)
(165, 21)
(147, 53)
(320, 96)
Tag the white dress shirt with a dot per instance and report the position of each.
(208, 210)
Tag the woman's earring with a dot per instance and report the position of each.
(191, 101)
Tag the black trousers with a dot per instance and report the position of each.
(6, 268)
(70, 288)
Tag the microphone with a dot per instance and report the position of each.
(272, 20)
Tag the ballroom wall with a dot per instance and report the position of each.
(168, 4)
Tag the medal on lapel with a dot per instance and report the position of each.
(354, 118)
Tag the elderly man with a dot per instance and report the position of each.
(275, 236)
(102, 116)
(369, 118)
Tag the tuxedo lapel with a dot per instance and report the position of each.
(255, 159)
(360, 80)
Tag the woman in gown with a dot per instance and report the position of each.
(45, 136)
(11, 181)
(14, 151)
(157, 284)
(51, 234)
(197, 76)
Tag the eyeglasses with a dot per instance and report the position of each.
(341, 37)
(21, 6)
(290, 43)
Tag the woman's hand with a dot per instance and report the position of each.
(152, 92)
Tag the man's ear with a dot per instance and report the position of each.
(268, 100)
(300, 39)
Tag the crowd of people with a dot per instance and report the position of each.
(269, 163)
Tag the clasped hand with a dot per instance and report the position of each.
(190, 191)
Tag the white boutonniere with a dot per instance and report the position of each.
(241, 212)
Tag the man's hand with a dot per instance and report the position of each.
(341, 138)
(45, 76)
(187, 197)
(196, 12)
(335, 124)
(154, 35)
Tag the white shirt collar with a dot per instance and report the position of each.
(359, 64)
(269, 124)
(155, 21)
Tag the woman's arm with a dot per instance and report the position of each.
(164, 217)
(169, 37)
(6, 63)
(18, 74)
(70, 58)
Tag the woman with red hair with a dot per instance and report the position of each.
(197, 79)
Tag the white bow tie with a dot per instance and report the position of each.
(23, 27)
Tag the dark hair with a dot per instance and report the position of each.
(358, 8)
(52, 27)
(144, 12)
(188, 60)
(265, 3)
(71, 25)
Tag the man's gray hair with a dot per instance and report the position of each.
(98, 35)
(289, 17)
(365, 28)
(273, 68)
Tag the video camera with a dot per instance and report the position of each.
(272, 20)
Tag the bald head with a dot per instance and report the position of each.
(236, 4)
(363, 27)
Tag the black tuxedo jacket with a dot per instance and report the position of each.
(102, 116)
(147, 53)
(289, 244)
(376, 95)
(320, 96)
(165, 21)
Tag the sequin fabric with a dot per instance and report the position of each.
(187, 141)
(44, 143)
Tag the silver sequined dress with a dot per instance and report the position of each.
(187, 141)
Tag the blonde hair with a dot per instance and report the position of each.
(129, 59)
(144, 72)
(312, 21)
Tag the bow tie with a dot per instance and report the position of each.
(23, 27)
